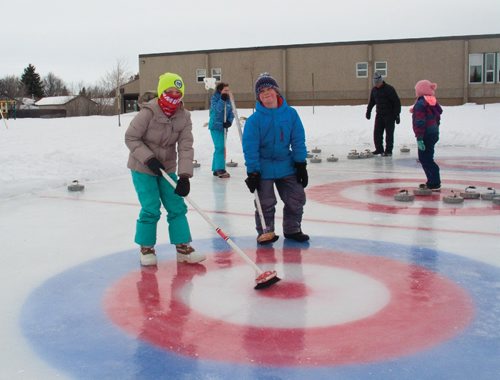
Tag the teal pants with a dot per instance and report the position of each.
(219, 159)
(153, 191)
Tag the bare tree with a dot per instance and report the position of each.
(54, 86)
(11, 87)
(101, 96)
(114, 79)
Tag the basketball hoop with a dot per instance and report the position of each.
(209, 83)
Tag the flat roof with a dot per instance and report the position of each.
(400, 40)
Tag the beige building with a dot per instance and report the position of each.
(466, 69)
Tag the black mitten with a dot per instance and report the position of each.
(155, 165)
(182, 188)
(253, 181)
(301, 173)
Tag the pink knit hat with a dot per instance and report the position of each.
(425, 87)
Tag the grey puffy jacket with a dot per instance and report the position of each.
(152, 134)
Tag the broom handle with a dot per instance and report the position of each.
(217, 228)
(256, 193)
(6, 126)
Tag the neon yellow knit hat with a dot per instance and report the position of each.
(168, 80)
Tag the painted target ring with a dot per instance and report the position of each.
(380, 192)
(375, 290)
(461, 163)
(76, 320)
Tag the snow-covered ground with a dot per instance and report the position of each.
(40, 154)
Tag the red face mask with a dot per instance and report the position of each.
(169, 102)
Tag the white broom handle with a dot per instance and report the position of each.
(256, 193)
(6, 126)
(216, 228)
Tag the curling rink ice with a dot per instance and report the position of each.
(383, 290)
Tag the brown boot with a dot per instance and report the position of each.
(187, 254)
(148, 256)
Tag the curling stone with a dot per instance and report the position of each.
(353, 155)
(422, 190)
(453, 198)
(196, 164)
(316, 150)
(315, 159)
(369, 153)
(232, 164)
(404, 196)
(496, 200)
(309, 155)
(75, 186)
(404, 149)
(332, 158)
(489, 195)
(470, 193)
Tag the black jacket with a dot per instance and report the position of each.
(387, 101)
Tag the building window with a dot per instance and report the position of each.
(498, 67)
(381, 67)
(362, 70)
(489, 68)
(200, 75)
(475, 68)
(217, 74)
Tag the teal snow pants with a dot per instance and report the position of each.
(153, 191)
(218, 159)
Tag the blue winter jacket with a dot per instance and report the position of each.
(217, 112)
(273, 140)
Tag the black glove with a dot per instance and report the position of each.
(226, 124)
(182, 188)
(224, 97)
(154, 165)
(398, 120)
(253, 181)
(301, 173)
(368, 115)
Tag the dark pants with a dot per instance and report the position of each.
(384, 124)
(294, 198)
(426, 158)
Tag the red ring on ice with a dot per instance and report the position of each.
(424, 310)
(339, 194)
(470, 163)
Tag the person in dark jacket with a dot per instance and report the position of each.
(426, 117)
(221, 118)
(275, 155)
(388, 108)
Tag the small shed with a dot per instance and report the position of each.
(72, 105)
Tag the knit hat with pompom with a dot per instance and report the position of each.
(425, 87)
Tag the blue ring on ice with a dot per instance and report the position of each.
(65, 322)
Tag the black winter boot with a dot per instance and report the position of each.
(297, 236)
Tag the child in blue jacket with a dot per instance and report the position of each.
(426, 118)
(221, 118)
(275, 155)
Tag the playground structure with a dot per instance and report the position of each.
(6, 106)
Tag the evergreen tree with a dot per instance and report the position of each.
(32, 83)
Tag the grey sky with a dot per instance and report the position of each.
(79, 41)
